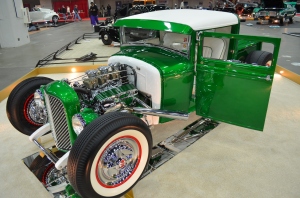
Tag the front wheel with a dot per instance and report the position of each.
(55, 19)
(109, 156)
(106, 38)
(21, 109)
(46, 172)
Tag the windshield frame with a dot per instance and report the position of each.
(125, 43)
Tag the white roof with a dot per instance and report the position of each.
(196, 19)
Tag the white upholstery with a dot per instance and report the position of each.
(207, 52)
(214, 48)
(176, 41)
(154, 41)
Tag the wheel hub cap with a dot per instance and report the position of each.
(105, 37)
(118, 162)
(34, 114)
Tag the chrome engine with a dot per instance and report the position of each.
(103, 88)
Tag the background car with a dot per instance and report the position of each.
(43, 14)
(277, 11)
(244, 10)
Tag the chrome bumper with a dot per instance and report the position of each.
(59, 163)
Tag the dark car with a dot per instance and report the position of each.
(244, 10)
(108, 33)
(227, 6)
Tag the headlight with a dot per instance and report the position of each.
(78, 123)
(38, 98)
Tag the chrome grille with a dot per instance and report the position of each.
(268, 13)
(58, 122)
(262, 13)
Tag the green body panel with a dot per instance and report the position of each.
(236, 93)
(88, 115)
(255, 10)
(155, 25)
(177, 74)
(71, 192)
(70, 100)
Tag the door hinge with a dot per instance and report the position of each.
(268, 78)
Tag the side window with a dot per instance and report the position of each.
(214, 48)
(244, 51)
(176, 41)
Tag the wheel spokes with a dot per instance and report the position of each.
(118, 161)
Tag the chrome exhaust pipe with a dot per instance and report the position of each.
(162, 113)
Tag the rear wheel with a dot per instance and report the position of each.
(21, 110)
(260, 58)
(109, 156)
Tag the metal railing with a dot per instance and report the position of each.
(54, 56)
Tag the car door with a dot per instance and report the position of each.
(227, 89)
(36, 16)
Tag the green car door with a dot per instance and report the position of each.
(227, 88)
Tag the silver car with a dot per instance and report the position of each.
(43, 14)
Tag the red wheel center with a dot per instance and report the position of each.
(122, 163)
(27, 103)
(120, 167)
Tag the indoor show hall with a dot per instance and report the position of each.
(227, 161)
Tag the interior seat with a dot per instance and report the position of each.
(213, 48)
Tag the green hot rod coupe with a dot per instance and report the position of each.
(168, 66)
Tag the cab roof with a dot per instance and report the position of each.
(182, 21)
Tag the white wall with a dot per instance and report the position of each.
(13, 31)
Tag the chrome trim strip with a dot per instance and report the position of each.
(161, 113)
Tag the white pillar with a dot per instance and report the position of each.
(13, 30)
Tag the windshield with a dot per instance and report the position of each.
(174, 41)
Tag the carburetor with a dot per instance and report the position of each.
(101, 77)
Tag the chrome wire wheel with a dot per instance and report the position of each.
(21, 109)
(53, 177)
(109, 156)
(118, 161)
(33, 113)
